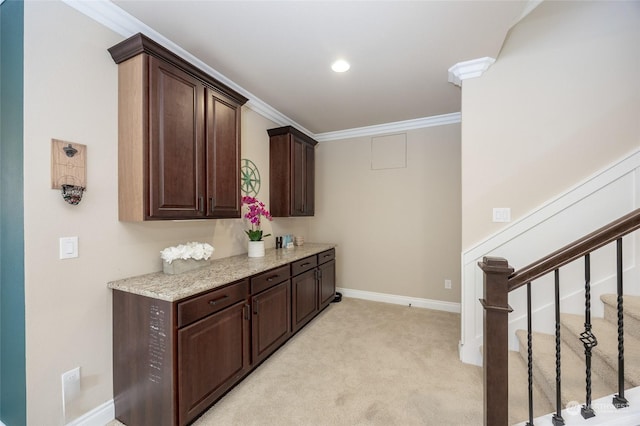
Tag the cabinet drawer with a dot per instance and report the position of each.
(267, 279)
(213, 301)
(326, 256)
(302, 265)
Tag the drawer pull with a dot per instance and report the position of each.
(218, 300)
(305, 264)
(327, 255)
(272, 277)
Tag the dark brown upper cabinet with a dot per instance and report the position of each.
(178, 137)
(291, 173)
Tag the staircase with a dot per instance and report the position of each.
(557, 366)
(604, 364)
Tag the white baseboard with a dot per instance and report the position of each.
(438, 305)
(99, 416)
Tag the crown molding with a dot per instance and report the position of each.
(122, 23)
(398, 126)
(272, 114)
(469, 69)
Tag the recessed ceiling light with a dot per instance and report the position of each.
(340, 66)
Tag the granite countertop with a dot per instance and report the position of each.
(171, 288)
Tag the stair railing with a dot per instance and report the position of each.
(500, 279)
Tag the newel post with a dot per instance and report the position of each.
(495, 340)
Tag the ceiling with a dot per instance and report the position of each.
(280, 52)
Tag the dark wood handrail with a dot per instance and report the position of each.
(599, 238)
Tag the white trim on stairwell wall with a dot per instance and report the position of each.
(438, 305)
(560, 221)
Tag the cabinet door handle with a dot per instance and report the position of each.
(211, 205)
(245, 311)
(218, 300)
(272, 277)
(255, 306)
(201, 204)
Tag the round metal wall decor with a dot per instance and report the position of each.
(249, 178)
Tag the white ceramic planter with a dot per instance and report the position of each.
(256, 249)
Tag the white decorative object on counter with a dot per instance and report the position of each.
(179, 266)
(185, 257)
(256, 249)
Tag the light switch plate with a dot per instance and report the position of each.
(502, 214)
(68, 247)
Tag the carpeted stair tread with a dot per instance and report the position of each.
(605, 354)
(631, 309)
(572, 369)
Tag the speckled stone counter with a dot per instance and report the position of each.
(223, 271)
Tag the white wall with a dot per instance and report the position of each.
(397, 229)
(561, 101)
(551, 130)
(71, 94)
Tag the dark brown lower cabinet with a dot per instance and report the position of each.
(213, 354)
(304, 290)
(313, 286)
(271, 323)
(327, 282)
(144, 382)
(173, 360)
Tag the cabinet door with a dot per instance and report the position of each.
(212, 354)
(304, 291)
(223, 156)
(302, 178)
(297, 177)
(327, 278)
(176, 147)
(271, 324)
(309, 180)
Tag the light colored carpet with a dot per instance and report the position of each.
(359, 363)
(362, 363)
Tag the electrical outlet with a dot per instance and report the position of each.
(447, 284)
(70, 385)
